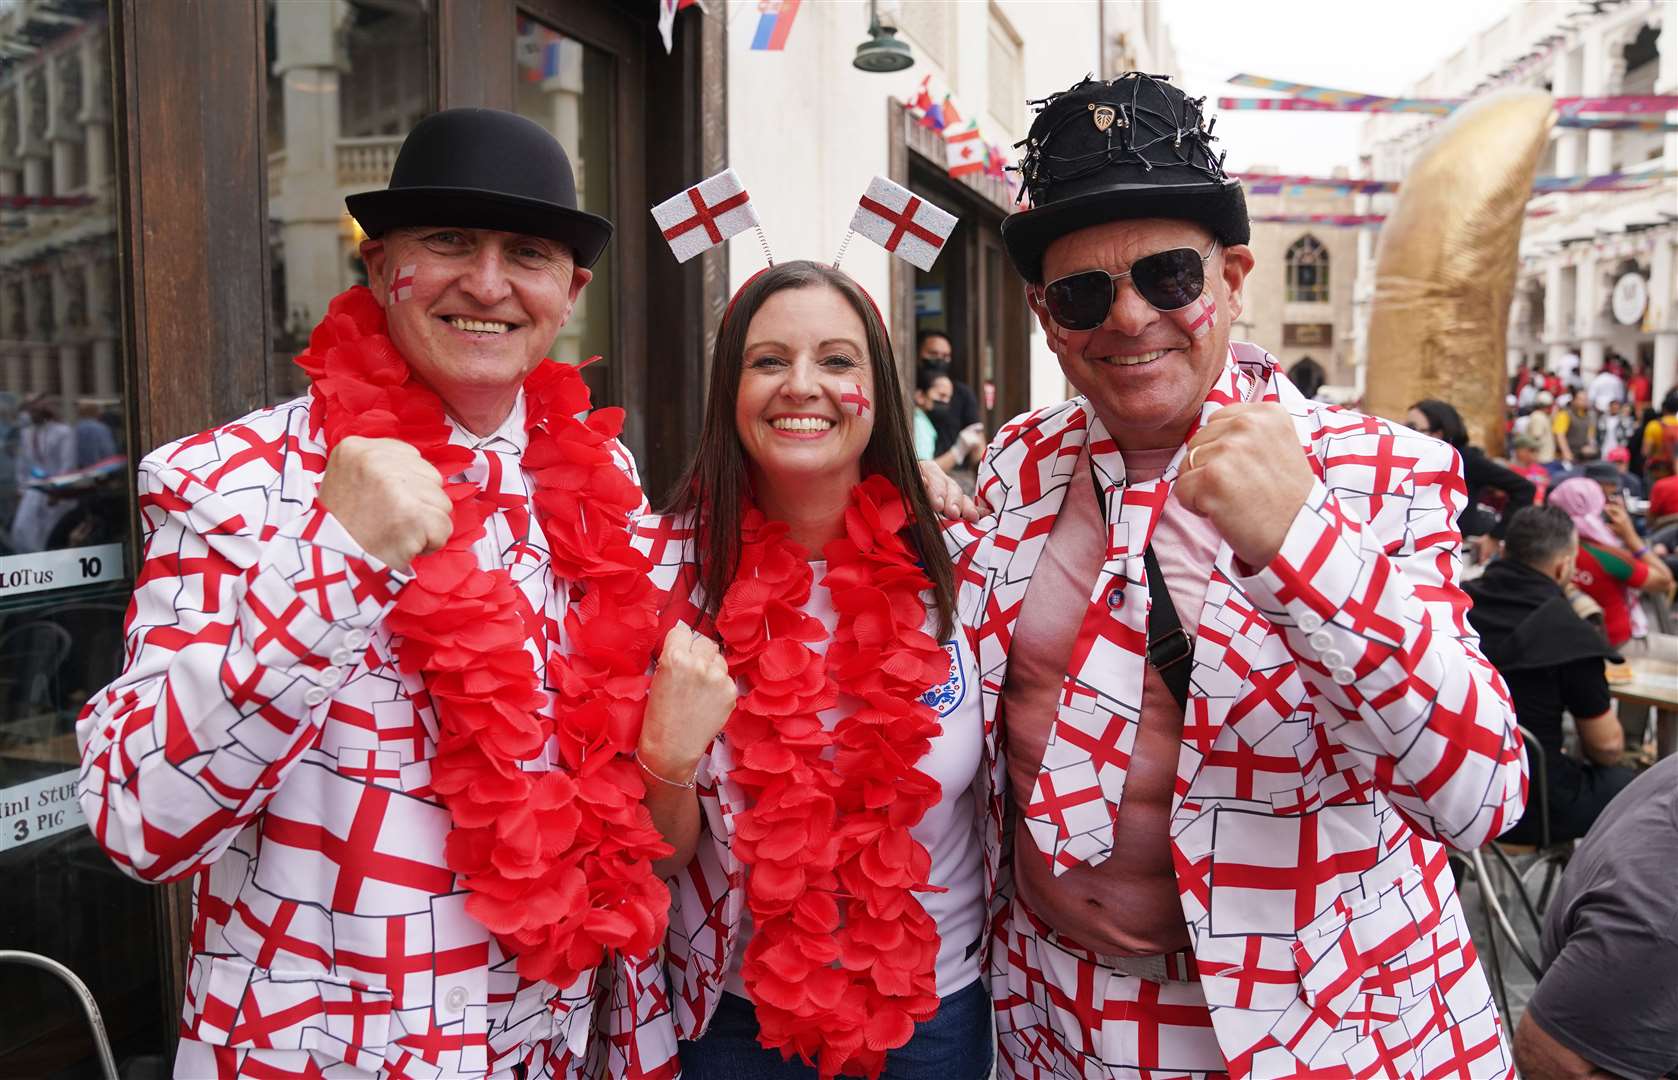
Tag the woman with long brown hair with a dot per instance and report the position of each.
(813, 745)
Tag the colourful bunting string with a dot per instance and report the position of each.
(1279, 184)
(1642, 110)
(967, 151)
(1345, 221)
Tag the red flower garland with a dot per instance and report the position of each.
(841, 964)
(558, 862)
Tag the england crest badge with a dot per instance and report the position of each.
(944, 699)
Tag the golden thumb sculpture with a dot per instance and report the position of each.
(1445, 268)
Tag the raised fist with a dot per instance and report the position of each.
(691, 698)
(1247, 473)
(388, 497)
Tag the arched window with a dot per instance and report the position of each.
(1307, 271)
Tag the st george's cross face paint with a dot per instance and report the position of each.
(1199, 317)
(856, 401)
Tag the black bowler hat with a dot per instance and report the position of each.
(1136, 147)
(484, 169)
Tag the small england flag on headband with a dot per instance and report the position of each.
(705, 215)
(903, 223)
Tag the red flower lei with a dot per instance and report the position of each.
(841, 963)
(557, 862)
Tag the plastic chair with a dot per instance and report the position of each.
(101, 1040)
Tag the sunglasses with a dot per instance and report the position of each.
(1167, 279)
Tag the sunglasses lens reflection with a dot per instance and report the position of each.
(1171, 279)
(1168, 280)
(1079, 301)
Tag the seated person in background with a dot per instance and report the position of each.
(934, 391)
(1609, 996)
(1614, 563)
(1553, 663)
(1611, 476)
(1524, 461)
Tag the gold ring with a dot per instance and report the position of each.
(1192, 449)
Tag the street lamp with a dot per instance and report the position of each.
(882, 52)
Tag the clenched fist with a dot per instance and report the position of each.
(690, 700)
(388, 497)
(1246, 472)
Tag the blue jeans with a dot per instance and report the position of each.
(955, 1044)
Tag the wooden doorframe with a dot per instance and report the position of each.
(670, 133)
(194, 262)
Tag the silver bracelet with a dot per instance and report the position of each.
(665, 780)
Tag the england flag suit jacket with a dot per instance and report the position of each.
(1342, 727)
(262, 742)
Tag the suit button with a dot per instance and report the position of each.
(355, 639)
(340, 657)
(456, 999)
(1345, 676)
(1310, 622)
(1334, 658)
(332, 676)
(1321, 641)
(315, 695)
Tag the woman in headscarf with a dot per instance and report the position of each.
(1614, 564)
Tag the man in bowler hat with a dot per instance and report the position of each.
(272, 737)
(1245, 715)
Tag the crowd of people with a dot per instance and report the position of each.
(1577, 533)
(1145, 761)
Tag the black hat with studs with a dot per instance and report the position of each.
(484, 169)
(1136, 147)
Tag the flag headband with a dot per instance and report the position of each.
(719, 207)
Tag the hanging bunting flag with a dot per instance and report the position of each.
(923, 100)
(1622, 104)
(1614, 181)
(537, 49)
(901, 222)
(1429, 107)
(964, 152)
(774, 23)
(1278, 184)
(1345, 221)
(1327, 97)
(667, 20)
(1342, 221)
(1309, 98)
(951, 116)
(933, 118)
(996, 162)
(705, 215)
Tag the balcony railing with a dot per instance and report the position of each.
(361, 162)
(366, 162)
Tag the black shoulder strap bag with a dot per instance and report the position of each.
(1169, 645)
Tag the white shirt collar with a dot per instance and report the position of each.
(510, 437)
